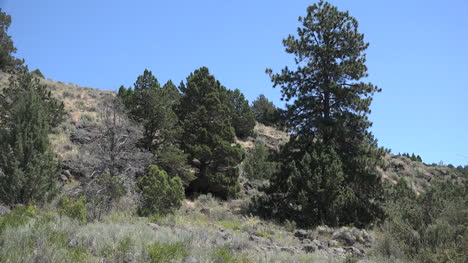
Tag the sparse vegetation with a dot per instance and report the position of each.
(193, 173)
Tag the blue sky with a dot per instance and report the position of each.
(418, 54)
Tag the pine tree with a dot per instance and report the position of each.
(8, 63)
(153, 106)
(208, 136)
(243, 118)
(328, 118)
(28, 167)
(264, 110)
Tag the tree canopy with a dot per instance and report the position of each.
(328, 119)
(209, 138)
(8, 62)
(28, 168)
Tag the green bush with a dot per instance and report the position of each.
(163, 253)
(74, 209)
(431, 227)
(258, 165)
(224, 255)
(38, 73)
(18, 217)
(159, 193)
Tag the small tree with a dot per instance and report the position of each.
(264, 110)
(159, 193)
(8, 62)
(243, 118)
(28, 167)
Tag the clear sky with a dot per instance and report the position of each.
(418, 54)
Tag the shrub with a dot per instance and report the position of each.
(74, 209)
(87, 119)
(18, 217)
(159, 193)
(162, 253)
(224, 255)
(101, 193)
(431, 227)
(258, 165)
(38, 73)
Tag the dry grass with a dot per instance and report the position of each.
(81, 104)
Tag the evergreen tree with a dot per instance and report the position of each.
(153, 106)
(264, 110)
(243, 118)
(419, 159)
(328, 118)
(208, 135)
(160, 193)
(28, 167)
(8, 63)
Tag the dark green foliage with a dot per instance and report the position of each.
(37, 73)
(73, 208)
(153, 106)
(208, 136)
(28, 167)
(412, 157)
(328, 169)
(8, 63)
(265, 111)
(163, 253)
(258, 164)
(431, 227)
(160, 194)
(243, 118)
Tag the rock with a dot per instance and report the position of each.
(318, 244)
(324, 230)
(309, 248)
(72, 243)
(344, 236)
(130, 258)
(63, 177)
(355, 251)
(338, 251)
(303, 234)
(154, 226)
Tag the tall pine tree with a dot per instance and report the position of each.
(208, 136)
(28, 167)
(328, 169)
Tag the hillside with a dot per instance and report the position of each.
(207, 229)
